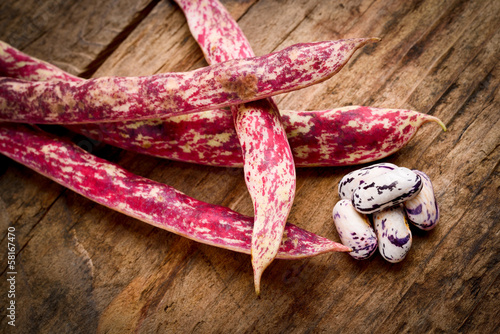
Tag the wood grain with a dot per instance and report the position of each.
(83, 268)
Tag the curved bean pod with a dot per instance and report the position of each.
(354, 229)
(393, 233)
(422, 210)
(336, 137)
(132, 98)
(386, 190)
(151, 202)
(352, 180)
(268, 161)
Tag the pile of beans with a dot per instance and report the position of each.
(377, 204)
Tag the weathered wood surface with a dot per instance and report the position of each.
(82, 268)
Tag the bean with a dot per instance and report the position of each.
(352, 180)
(422, 210)
(317, 138)
(393, 233)
(337, 137)
(386, 190)
(354, 230)
(224, 84)
(16, 64)
(268, 161)
(151, 202)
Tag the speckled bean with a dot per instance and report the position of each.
(423, 210)
(386, 190)
(393, 233)
(352, 180)
(354, 230)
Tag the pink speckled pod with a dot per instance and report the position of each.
(341, 136)
(16, 64)
(268, 161)
(132, 98)
(336, 137)
(154, 203)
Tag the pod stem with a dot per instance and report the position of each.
(430, 118)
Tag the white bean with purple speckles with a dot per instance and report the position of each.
(386, 190)
(393, 233)
(352, 180)
(423, 210)
(354, 230)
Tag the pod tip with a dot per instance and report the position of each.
(442, 126)
(424, 118)
(256, 280)
(438, 121)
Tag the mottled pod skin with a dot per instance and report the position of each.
(224, 84)
(337, 137)
(270, 178)
(151, 202)
(267, 157)
(422, 210)
(393, 233)
(16, 64)
(216, 32)
(354, 229)
(350, 135)
(317, 138)
(352, 180)
(386, 190)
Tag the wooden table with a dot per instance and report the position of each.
(83, 268)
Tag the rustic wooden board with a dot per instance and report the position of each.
(82, 268)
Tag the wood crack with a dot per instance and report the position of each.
(21, 248)
(443, 56)
(101, 57)
(290, 32)
(472, 92)
(246, 10)
(476, 305)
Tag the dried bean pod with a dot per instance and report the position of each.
(223, 40)
(422, 210)
(393, 233)
(151, 202)
(386, 190)
(350, 135)
(354, 230)
(270, 178)
(337, 137)
(317, 138)
(133, 98)
(16, 64)
(209, 138)
(352, 180)
(268, 161)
